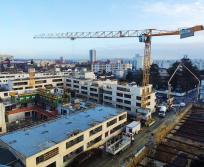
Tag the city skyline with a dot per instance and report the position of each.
(21, 20)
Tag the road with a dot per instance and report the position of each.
(107, 160)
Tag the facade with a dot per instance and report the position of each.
(101, 67)
(57, 142)
(127, 96)
(111, 92)
(92, 55)
(2, 119)
(5, 77)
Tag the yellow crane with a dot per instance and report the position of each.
(144, 36)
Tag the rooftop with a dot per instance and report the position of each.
(33, 140)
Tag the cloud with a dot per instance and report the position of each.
(187, 13)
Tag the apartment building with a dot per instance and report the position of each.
(100, 67)
(57, 142)
(111, 92)
(5, 77)
(128, 96)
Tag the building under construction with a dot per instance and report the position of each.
(179, 144)
(40, 105)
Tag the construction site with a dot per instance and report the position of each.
(178, 142)
(128, 127)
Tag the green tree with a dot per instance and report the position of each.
(183, 80)
(155, 78)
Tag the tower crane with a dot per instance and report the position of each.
(144, 36)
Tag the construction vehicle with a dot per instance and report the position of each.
(169, 98)
(144, 36)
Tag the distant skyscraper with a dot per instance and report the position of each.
(61, 59)
(92, 54)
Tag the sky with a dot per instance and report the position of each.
(20, 20)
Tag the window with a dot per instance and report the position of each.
(84, 87)
(93, 89)
(76, 81)
(119, 100)
(57, 80)
(138, 98)
(138, 104)
(47, 155)
(108, 92)
(76, 86)
(107, 97)
(111, 122)
(127, 102)
(106, 134)
(74, 141)
(69, 85)
(96, 130)
(20, 83)
(92, 142)
(39, 86)
(59, 84)
(0, 129)
(83, 92)
(122, 117)
(127, 96)
(115, 129)
(93, 94)
(40, 82)
(73, 153)
(68, 80)
(5, 94)
(21, 88)
(120, 94)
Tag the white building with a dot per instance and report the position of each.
(126, 96)
(57, 142)
(100, 67)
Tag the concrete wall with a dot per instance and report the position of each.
(2, 119)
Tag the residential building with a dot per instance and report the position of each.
(111, 92)
(57, 142)
(100, 67)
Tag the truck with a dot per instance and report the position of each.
(162, 111)
(133, 128)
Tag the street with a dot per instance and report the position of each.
(107, 160)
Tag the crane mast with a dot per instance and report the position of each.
(144, 36)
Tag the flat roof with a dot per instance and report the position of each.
(32, 140)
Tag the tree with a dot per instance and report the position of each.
(134, 76)
(155, 78)
(183, 80)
